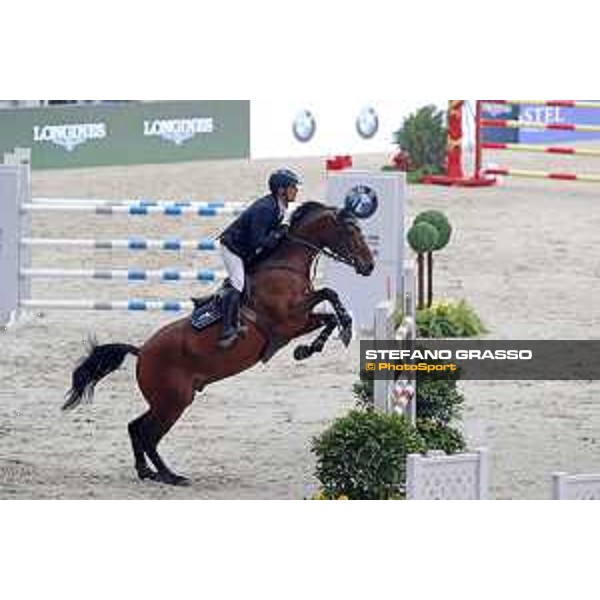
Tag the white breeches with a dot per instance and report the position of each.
(235, 268)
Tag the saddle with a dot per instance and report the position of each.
(208, 310)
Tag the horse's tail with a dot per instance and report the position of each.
(100, 361)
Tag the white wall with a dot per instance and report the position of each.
(272, 123)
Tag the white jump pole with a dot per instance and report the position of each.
(11, 180)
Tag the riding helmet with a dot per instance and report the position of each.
(283, 178)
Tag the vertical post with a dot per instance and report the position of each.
(400, 195)
(410, 317)
(455, 140)
(478, 140)
(9, 241)
(421, 276)
(559, 486)
(429, 279)
(412, 461)
(21, 157)
(381, 387)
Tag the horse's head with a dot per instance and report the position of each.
(334, 229)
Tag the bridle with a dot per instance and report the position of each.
(336, 256)
(319, 251)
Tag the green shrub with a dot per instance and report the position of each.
(423, 136)
(441, 437)
(444, 319)
(363, 455)
(439, 400)
(441, 223)
(422, 237)
(363, 390)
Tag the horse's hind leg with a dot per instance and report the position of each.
(154, 428)
(168, 398)
(169, 390)
(135, 429)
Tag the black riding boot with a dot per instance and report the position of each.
(231, 318)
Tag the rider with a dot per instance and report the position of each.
(255, 232)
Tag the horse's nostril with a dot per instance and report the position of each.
(365, 268)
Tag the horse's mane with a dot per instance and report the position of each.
(304, 210)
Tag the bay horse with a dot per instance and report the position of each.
(179, 361)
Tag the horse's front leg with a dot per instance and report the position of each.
(343, 317)
(328, 322)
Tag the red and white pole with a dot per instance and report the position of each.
(454, 158)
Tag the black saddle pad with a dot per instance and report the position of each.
(206, 312)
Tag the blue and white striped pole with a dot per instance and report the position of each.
(122, 305)
(163, 275)
(133, 202)
(137, 210)
(174, 244)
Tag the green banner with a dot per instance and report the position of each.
(130, 133)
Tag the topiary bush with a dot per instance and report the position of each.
(363, 455)
(422, 237)
(441, 223)
(422, 241)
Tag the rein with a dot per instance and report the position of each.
(278, 264)
(329, 253)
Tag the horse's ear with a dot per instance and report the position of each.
(346, 214)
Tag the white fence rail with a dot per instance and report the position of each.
(575, 487)
(438, 476)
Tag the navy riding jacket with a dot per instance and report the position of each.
(253, 231)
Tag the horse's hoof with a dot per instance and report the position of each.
(302, 352)
(345, 321)
(172, 479)
(181, 481)
(346, 336)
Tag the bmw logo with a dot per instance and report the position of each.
(304, 126)
(362, 201)
(367, 123)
